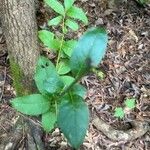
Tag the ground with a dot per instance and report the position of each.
(126, 74)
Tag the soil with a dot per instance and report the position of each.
(126, 74)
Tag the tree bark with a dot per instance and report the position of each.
(20, 29)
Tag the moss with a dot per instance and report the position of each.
(18, 78)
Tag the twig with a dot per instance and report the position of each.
(3, 87)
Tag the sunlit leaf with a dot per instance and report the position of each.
(55, 21)
(72, 24)
(77, 13)
(56, 6)
(68, 4)
(46, 37)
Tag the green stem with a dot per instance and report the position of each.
(65, 90)
(56, 108)
(62, 40)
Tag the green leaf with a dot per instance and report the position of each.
(55, 44)
(56, 6)
(35, 104)
(119, 112)
(68, 4)
(130, 103)
(46, 77)
(67, 80)
(69, 46)
(63, 67)
(48, 121)
(89, 51)
(46, 37)
(100, 74)
(55, 21)
(141, 1)
(72, 24)
(77, 89)
(77, 13)
(73, 120)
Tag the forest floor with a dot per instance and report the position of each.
(125, 74)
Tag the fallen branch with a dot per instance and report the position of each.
(138, 130)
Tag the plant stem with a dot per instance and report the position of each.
(56, 107)
(68, 87)
(61, 44)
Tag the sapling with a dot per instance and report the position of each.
(60, 101)
(66, 19)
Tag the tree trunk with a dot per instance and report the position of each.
(20, 29)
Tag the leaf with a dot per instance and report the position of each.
(63, 67)
(119, 112)
(67, 80)
(46, 77)
(73, 120)
(130, 103)
(77, 13)
(56, 6)
(77, 89)
(142, 2)
(46, 37)
(89, 51)
(48, 120)
(100, 74)
(55, 21)
(72, 24)
(69, 46)
(35, 104)
(68, 4)
(55, 44)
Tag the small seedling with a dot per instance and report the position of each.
(100, 74)
(119, 112)
(129, 104)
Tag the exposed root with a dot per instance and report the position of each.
(25, 134)
(138, 130)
